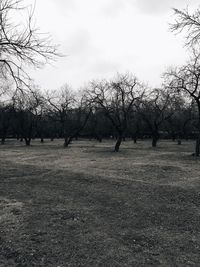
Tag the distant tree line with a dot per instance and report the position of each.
(119, 108)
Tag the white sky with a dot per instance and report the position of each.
(102, 37)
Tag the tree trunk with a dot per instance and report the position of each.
(135, 139)
(179, 142)
(154, 140)
(118, 143)
(3, 140)
(197, 147)
(68, 140)
(4, 134)
(99, 138)
(27, 141)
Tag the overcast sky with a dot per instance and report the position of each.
(102, 37)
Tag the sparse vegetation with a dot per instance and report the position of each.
(88, 206)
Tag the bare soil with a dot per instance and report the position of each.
(88, 206)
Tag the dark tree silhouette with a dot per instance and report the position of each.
(116, 98)
(61, 104)
(154, 110)
(28, 108)
(70, 110)
(187, 79)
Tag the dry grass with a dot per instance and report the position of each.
(89, 206)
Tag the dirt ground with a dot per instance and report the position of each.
(88, 206)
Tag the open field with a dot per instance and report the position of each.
(88, 206)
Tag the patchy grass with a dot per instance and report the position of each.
(89, 206)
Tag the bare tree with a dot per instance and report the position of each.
(116, 98)
(154, 110)
(61, 104)
(188, 22)
(21, 44)
(28, 108)
(70, 110)
(78, 118)
(187, 79)
(179, 124)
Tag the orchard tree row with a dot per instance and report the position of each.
(119, 108)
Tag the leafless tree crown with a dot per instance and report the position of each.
(21, 43)
(189, 23)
